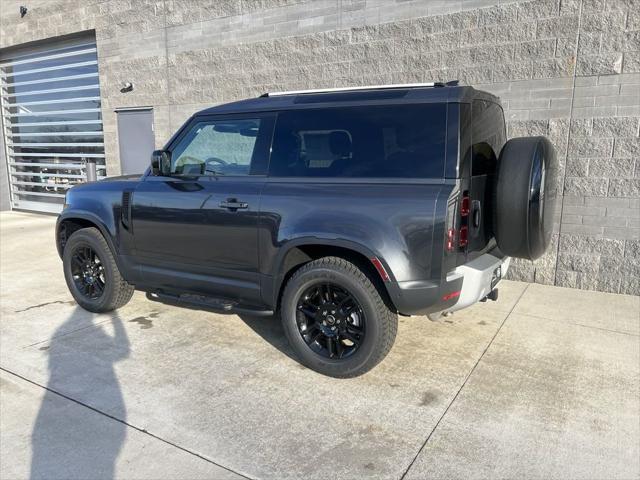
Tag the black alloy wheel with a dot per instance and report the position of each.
(88, 272)
(92, 274)
(330, 320)
(335, 319)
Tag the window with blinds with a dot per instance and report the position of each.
(51, 122)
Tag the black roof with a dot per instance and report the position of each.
(374, 96)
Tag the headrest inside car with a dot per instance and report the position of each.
(340, 143)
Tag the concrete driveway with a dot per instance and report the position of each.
(543, 383)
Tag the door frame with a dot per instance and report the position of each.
(158, 270)
(143, 108)
(256, 171)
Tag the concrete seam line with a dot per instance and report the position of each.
(68, 333)
(141, 430)
(455, 397)
(576, 324)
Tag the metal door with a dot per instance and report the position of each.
(136, 139)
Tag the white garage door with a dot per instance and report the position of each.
(51, 121)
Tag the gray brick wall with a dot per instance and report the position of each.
(568, 69)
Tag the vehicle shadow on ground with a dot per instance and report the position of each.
(68, 440)
(270, 329)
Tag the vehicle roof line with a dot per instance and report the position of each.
(357, 88)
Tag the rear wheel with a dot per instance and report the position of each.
(335, 319)
(91, 272)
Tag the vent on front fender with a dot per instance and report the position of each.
(125, 212)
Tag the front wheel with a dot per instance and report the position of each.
(91, 272)
(335, 319)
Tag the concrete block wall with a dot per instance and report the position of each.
(568, 69)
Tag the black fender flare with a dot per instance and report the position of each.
(71, 214)
(277, 274)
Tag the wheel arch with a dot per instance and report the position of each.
(303, 251)
(72, 221)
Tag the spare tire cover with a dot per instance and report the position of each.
(526, 193)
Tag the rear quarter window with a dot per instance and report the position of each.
(399, 141)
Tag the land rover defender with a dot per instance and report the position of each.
(337, 210)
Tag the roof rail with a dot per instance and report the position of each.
(369, 87)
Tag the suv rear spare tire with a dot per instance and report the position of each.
(525, 197)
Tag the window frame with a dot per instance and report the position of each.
(263, 142)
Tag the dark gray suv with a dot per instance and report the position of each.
(336, 209)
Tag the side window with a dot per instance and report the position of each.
(217, 147)
(488, 136)
(376, 141)
(321, 147)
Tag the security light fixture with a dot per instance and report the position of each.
(126, 87)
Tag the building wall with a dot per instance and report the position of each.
(569, 69)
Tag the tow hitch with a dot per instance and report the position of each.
(493, 295)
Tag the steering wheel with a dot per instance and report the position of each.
(217, 160)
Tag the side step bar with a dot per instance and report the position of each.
(203, 302)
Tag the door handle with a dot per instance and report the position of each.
(233, 204)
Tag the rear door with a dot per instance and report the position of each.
(195, 228)
(488, 136)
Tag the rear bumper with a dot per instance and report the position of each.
(423, 297)
(463, 287)
(480, 277)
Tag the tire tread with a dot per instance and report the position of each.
(387, 318)
(122, 290)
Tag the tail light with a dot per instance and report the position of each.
(458, 229)
(465, 205)
(463, 238)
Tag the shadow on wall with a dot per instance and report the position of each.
(65, 444)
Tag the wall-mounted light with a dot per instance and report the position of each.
(23, 11)
(126, 87)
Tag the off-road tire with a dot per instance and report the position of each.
(381, 322)
(525, 197)
(117, 292)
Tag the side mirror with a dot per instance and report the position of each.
(160, 162)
